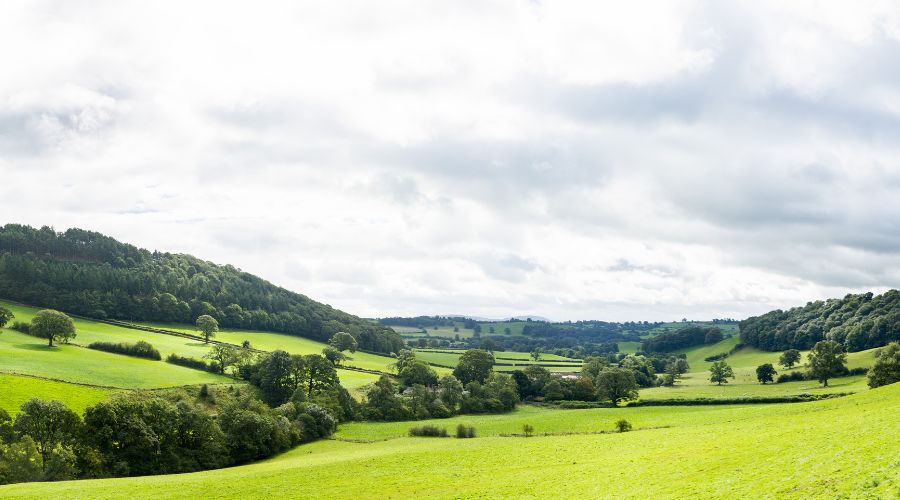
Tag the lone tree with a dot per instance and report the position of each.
(536, 354)
(343, 341)
(50, 324)
(765, 373)
(886, 369)
(208, 326)
(5, 316)
(616, 384)
(333, 355)
(789, 358)
(49, 423)
(826, 360)
(225, 356)
(720, 372)
(474, 366)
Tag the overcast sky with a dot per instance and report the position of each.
(570, 160)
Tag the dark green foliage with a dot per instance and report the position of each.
(680, 339)
(465, 432)
(51, 325)
(197, 364)
(21, 327)
(716, 357)
(616, 385)
(383, 402)
(88, 273)
(792, 377)
(139, 349)
(7, 434)
(857, 322)
(789, 358)
(765, 373)
(49, 423)
(343, 341)
(204, 391)
(5, 316)
(623, 425)
(528, 430)
(418, 372)
(474, 366)
(428, 431)
(827, 360)
(886, 369)
(20, 462)
(207, 325)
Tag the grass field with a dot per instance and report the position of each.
(16, 389)
(837, 448)
(511, 360)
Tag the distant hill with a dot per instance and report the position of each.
(858, 322)
(90, 274)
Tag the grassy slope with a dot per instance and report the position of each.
(16, 389)
(28, 355)
(521, 359)
(841, 447)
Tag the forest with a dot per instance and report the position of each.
(857, 322)
(89, 274)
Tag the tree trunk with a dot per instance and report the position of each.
(51, 341)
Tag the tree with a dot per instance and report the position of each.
(474, 366)
(404, 358)
(886, 369)
(536, 354)
(5, 316)
(277, 377)
(50, 324)
(225, 356)
(208, 326)
(789, 358)
(615, 385)
(826, 360)
(318, 374)
(343, 341)
(765, 373)
(334, 355)
(450, 391)
(489, 345)
(49, 424)
(418, 373)
(720, 372)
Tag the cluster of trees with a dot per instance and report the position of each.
(589, 331)
(93, 275)
(421, 394)
(857, 322)
(682, 338)
(142, 435)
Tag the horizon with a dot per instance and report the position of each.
(572, 162)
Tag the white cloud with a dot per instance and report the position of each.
(564, 159)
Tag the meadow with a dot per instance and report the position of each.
(510, 360)
(16, 389)
(843, 447)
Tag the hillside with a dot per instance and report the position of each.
(89, 274)
(858, 322)
(842, 447)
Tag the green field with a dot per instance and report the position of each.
(839, 448)
(512, 361)
(16, 389)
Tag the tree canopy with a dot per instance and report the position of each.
(52, 325)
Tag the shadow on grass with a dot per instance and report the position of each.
(37, 347)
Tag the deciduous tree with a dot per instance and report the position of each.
(208, 326)
(50, 324)
(720, 372)
(826, 360)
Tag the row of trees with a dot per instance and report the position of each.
(137, 435)
(90, 274)
(857, 322)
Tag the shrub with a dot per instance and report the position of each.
(428, 431)
(196, 364)
(528, 430)
(21, 327)
(464, 432)
(204, 391)
(716, 357)
(858, 371)
(623, 425)
(139, 349)
(792, 377)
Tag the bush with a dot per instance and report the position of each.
(792, 377)
(196, 364)
(716, 357)
(204, 391)
(858, 371)
(428, 431)
(528, 430)
(623, 425)
(139, 349)
(21, 327)
(464, 432)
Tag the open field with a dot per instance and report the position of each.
(16, 389)
(511, 360)
(835, 448)
(27, 355)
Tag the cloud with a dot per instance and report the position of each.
(564, 159)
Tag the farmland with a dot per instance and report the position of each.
(742, 451)
(506, 360)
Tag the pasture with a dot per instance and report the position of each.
(16, 389)
(844, 447)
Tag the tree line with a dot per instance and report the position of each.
(857, 322)
(93, 275)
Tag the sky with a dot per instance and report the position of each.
(571, 160)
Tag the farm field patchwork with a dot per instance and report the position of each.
(507, 360)
(785, 450)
